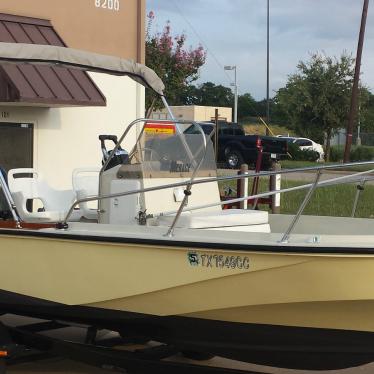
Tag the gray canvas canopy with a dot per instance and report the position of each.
(73, 58)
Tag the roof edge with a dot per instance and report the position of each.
(22, 19)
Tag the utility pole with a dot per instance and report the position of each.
(268, 69)
(355, 89)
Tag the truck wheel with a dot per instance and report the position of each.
(234, 159)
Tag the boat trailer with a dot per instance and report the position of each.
(26, 344)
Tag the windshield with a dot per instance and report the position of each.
(170, 151)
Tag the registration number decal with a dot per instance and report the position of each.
(218, 261)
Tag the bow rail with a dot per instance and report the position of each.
(360, 177)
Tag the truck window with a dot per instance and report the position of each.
(303, 142)
(193, 130)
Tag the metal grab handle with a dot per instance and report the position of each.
(187, 191)
(360, 188)
(9, 199)
(287, 234)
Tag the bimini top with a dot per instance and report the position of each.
(73, 58)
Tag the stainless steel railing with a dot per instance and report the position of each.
(9, 199)
(311, 186)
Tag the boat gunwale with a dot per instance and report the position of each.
(277, 248)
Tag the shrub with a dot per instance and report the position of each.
(362, 153)
(298, 154)
(358, 153)
(336, 153)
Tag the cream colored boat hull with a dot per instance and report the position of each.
(227, 288)
(286, 289)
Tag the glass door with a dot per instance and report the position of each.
(16, 145)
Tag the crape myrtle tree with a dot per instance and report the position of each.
(316, 99)
(175, 64)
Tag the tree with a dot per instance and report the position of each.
(366, 110)
(316, 99)
(177, 66)
(246, 106)
(208, 94)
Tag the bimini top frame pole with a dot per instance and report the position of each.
(9, 199)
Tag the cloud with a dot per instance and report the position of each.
(234, 32)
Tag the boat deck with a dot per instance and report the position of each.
(331, 232)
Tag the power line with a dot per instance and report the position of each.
(179, 11)
(201, 40)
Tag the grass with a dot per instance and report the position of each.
(290, 164)
(251, 128)
(329, 201)
(326, 201)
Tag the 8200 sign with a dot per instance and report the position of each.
(108, 4)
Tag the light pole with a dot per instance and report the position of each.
(235, 85)
(358, 141)
(268, 69)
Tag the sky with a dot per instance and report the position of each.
(234, 33)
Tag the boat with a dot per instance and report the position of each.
(158, 258)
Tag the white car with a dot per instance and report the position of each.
(305, 143)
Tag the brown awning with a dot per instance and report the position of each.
(42, 85)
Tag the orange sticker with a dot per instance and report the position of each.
(159, 128)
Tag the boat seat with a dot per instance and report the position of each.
(30, 185)
(86, 184)
(229, 220)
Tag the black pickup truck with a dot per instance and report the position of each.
(236, 148)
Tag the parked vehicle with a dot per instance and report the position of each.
(306, 144)
(236, 148)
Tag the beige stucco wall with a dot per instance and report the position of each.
(83, 25)
(67, 138)
(195, 113)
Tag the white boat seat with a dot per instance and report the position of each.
(230, 219)
(30, 185)
(86, 184)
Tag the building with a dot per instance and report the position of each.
(50, 118)
(195, 113)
